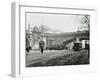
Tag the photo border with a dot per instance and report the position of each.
(18, 9)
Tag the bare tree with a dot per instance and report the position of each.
(43, 29)
(35, 34)
(85, 20)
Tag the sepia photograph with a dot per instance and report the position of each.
(56, 39)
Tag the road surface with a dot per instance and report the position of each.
(56, 58)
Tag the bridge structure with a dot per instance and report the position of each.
(65, 38)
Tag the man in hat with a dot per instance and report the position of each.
(41, 44)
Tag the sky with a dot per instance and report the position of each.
(61, 23)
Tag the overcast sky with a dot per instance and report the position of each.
(63, 23)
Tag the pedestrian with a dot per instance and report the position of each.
(41, 45)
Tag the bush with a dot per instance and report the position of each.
(28, 49)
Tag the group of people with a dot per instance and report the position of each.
(41, 46)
